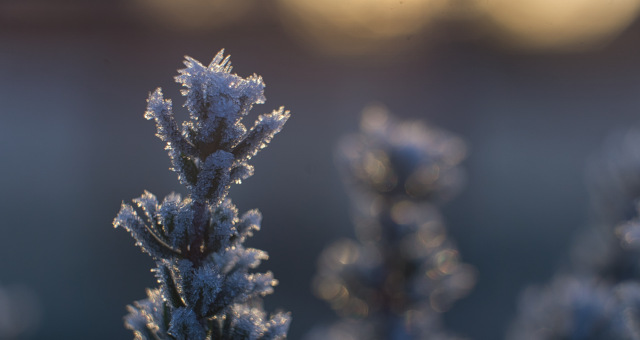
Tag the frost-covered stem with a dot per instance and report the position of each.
(207, 290)
(196, 251)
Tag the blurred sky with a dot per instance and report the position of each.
(533, 86)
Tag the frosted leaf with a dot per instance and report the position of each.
(233, 135)
(168, 211)
(222, 227)
(277, 327)
(262, 284)
(251, 324)
(149, 204)
(207, 283)
(160, 110)
(247, 323)
(214, 178)
(245, 258)
(238, 257)
(137, 322)
(182, 274)
(185, 325)
(145, 238)
(185, 166)
(175, 219)
(168, 287)
(241, 172)
(147, 318)
(249, 223)
(252, 257)
(234, 289)
(183, 222)
(261, 133)
(240, 287)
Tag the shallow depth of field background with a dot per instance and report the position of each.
(533, 86)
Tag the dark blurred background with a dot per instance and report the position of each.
(533, 86)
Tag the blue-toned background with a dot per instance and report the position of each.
(74, 76)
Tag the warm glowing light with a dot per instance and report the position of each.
(348, 254)
(403, 212)
(376, 166)
(560, 24)
(447, 261)
(431, 234)
(354, 308)
(357, 26)
(340, 254)
(375, 117)
(327, 288)
(192, 14)
(422, 181)
(341, 299)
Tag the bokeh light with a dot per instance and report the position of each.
(191, 14)
(559, 25)
(357, 26)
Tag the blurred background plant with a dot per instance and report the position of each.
(596, 291)
(403, 271)
(73, 72)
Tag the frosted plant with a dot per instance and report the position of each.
(207, 289)
(403, 271)
(569, 308)
(577, 307)
(629, 233)
(626, 311)
(614, 183)
(614, 177)
(597, 295)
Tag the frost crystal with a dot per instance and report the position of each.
(403, 272)
(206, 288)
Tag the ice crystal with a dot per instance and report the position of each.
(403, 271)
(207, 289)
